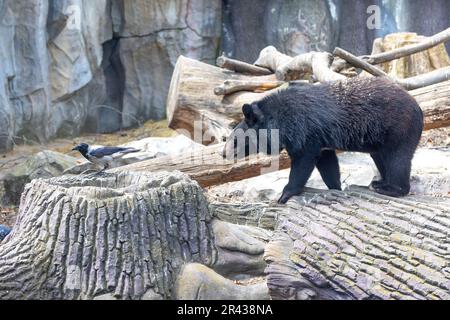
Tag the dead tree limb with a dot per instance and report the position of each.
(425, 79)
(430, 42)
(271, 58)
(287, 68)
(358, 62)
(232, 86)
(241, 67)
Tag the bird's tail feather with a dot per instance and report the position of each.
(130, 150)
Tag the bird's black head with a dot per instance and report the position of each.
(82, 148)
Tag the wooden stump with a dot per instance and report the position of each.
(125, 236)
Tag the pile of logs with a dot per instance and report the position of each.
(213, 96)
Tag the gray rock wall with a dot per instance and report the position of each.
(76, 65)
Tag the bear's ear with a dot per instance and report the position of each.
(252, 113)
(247, 111)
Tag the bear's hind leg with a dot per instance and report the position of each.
(397, 174)
(379, 162)
(328, 166)
(301, 168)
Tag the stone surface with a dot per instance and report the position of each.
(294, 27)
(198, 282)
(45, 164)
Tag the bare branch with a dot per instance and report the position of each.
(241, 67)
(359, 63)
(232, 86)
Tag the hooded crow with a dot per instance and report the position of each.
(103, 156)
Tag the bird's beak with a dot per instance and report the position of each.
(75, 149)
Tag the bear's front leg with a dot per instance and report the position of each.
(301, 168)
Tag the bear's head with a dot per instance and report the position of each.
(250, 136)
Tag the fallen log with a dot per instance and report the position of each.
(191, 98)
(435, 103)
(208, 167)
(193, 107)
(358, 244)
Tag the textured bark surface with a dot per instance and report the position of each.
(124, 235)
(360, 245)
(435, 103)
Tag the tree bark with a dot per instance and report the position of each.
(125, 236)
(359, 245)
(435, 103)
(208, 167)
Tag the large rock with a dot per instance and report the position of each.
(294, 27)
(45, 164)
(153, 35)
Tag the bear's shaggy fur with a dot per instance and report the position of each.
(372, 115)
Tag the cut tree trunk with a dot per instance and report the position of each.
(191, 100)
(435, 103)
(125, 236)
(360, 245)
(208, 167)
